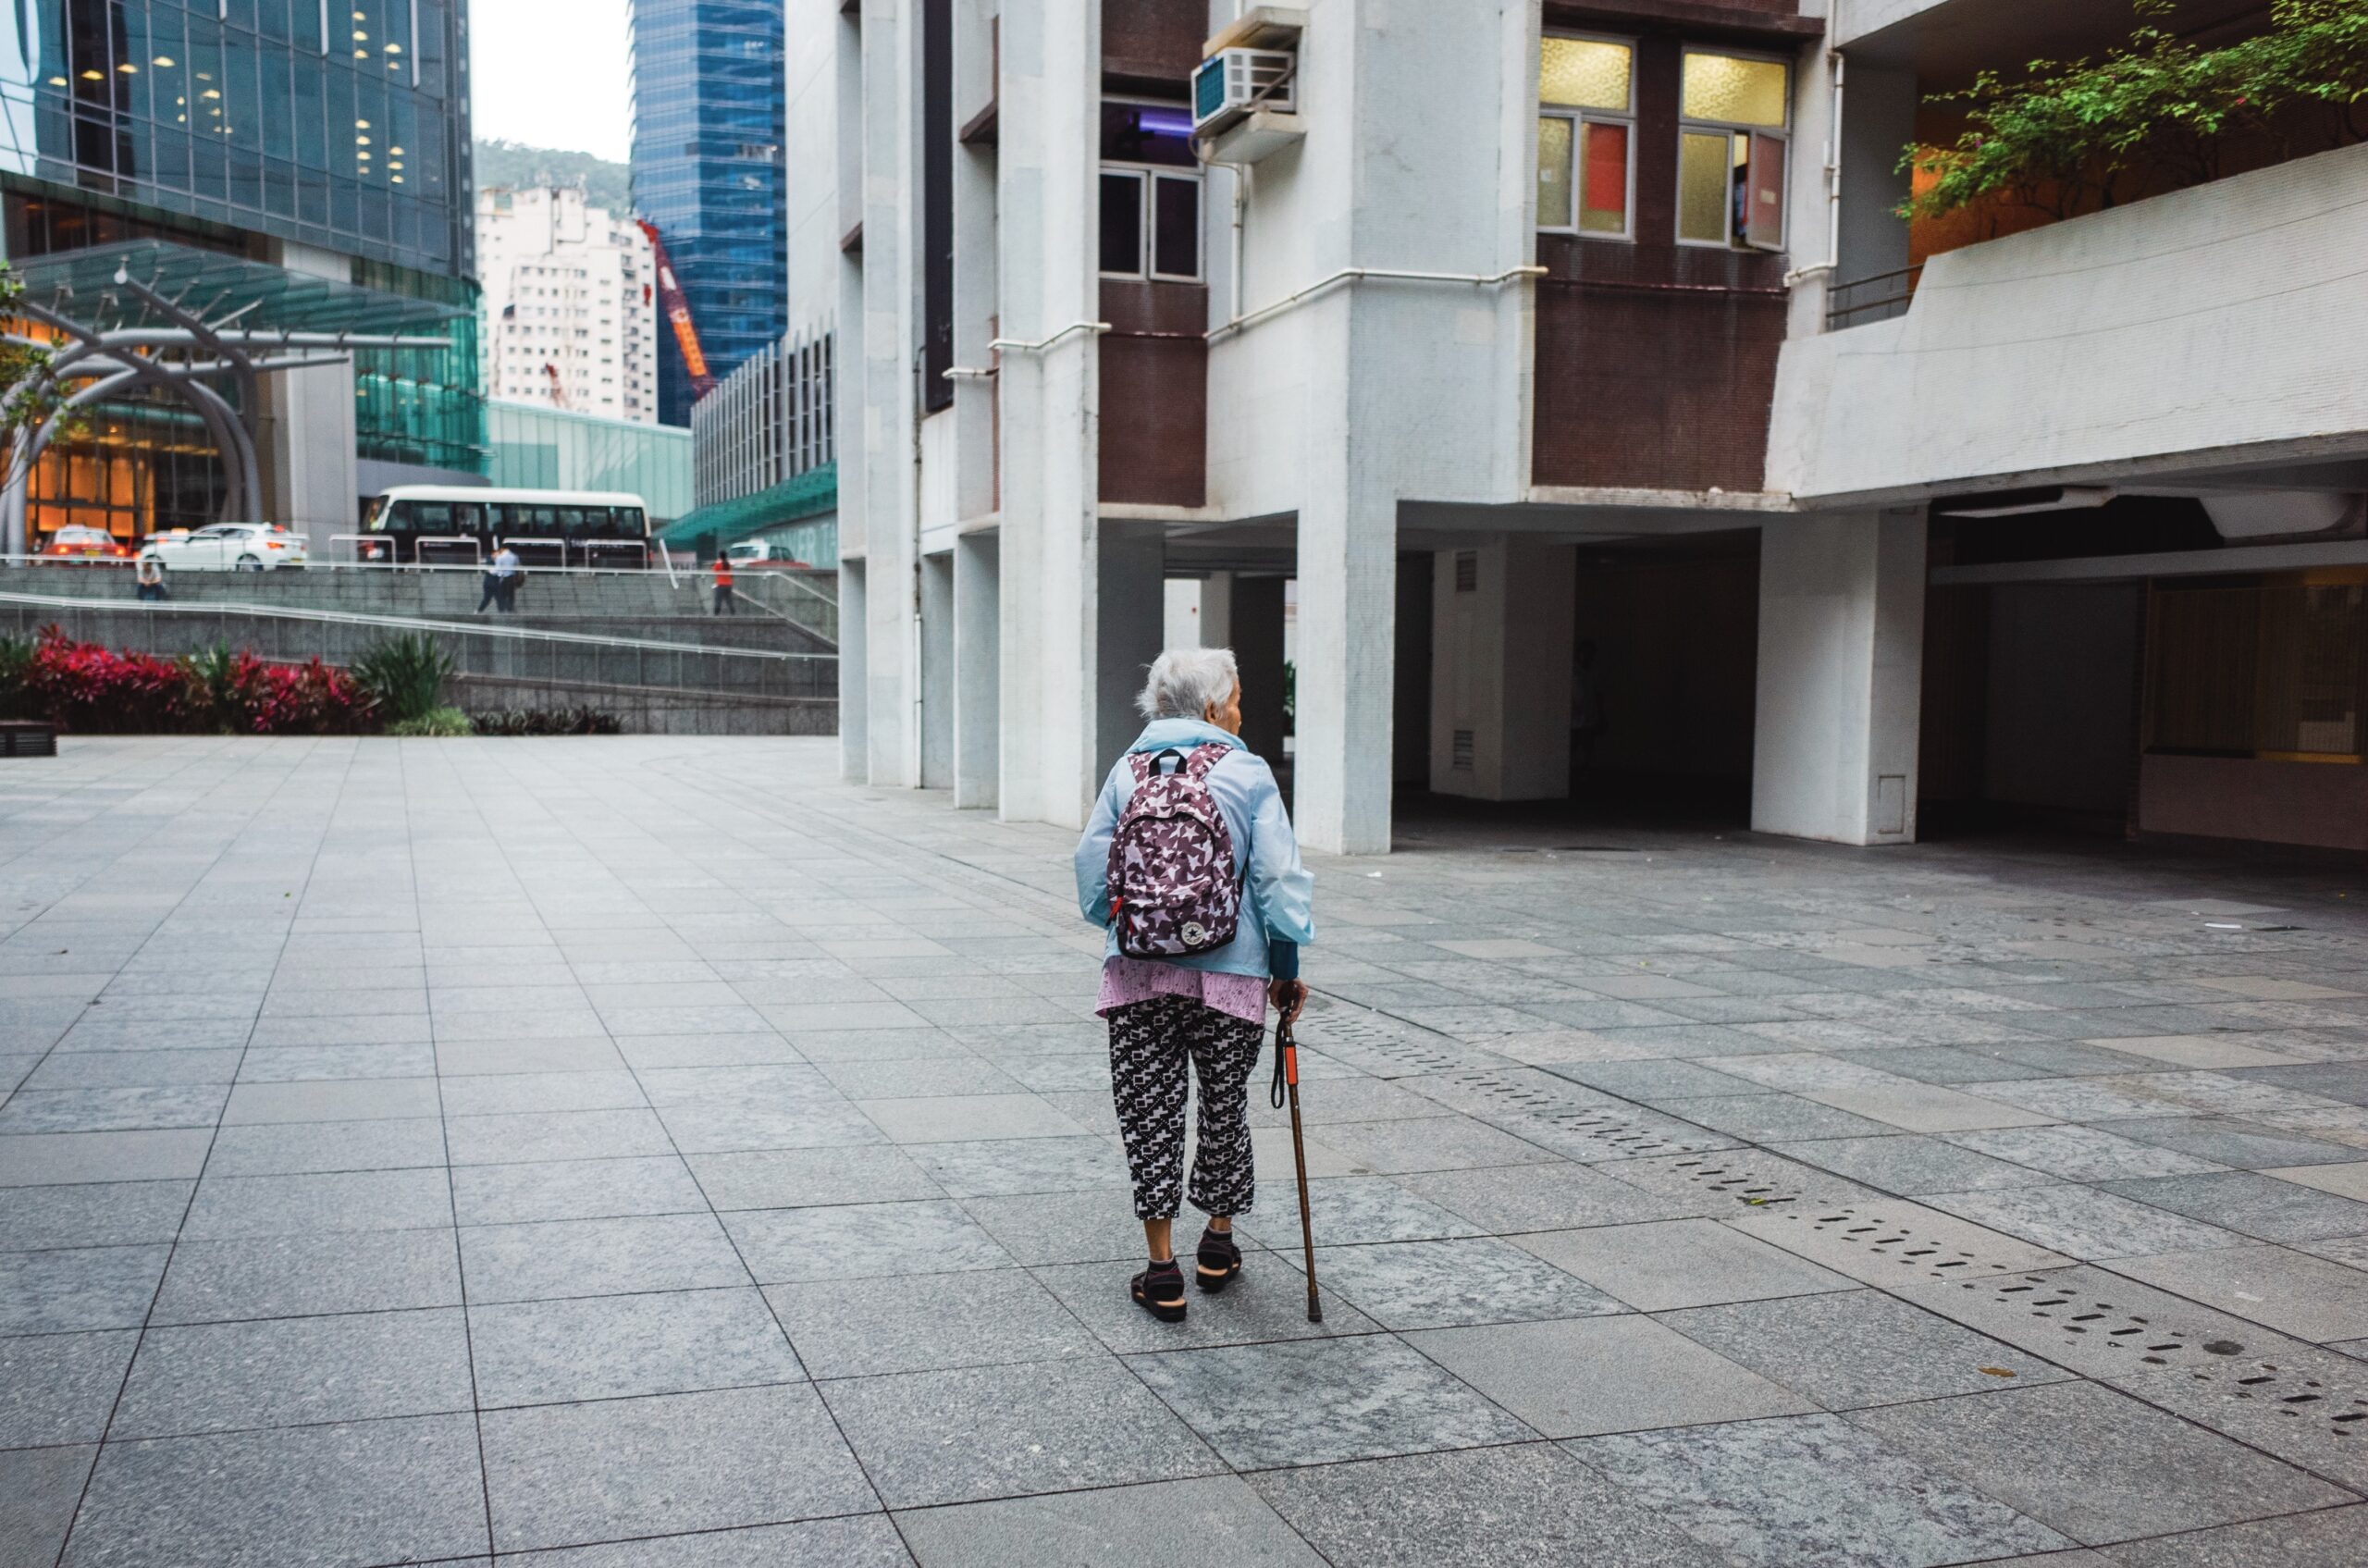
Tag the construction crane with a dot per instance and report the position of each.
(558, 386)
(678, 313)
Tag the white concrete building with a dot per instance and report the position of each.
(1536, 337)
(570, 306)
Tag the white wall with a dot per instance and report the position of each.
(811, 82)
(1840, 677)
(1500, 668)
(2223, 320)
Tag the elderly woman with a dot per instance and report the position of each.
(1177, 984)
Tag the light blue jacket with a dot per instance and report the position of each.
(1277, 913)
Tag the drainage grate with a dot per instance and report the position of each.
(2101, 1326)
(2305, 1405)
(1892, 1244)
(1572, 1121)
(1381, 1046)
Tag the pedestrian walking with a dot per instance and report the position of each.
(149, 579)
(1190, 864)
(501, 583)
(723, 600)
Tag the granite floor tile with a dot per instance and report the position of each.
(928, 1437)
(305, 1276)
(233, 1206)
(556, 1135)
(378, 1099)
(926, 1323)
(1679, 1263)
(960, 1118)
(799, 1177)
(1811, 1491)
(1559, 1196)
(39, 1489)
(57, 1389)
(518, 1093)
(2295, 1402)
(112, 1110)
(863, 1541)
(574, 1474)
(1021, 1165)
(1089, 1226)
(2080, 1154)
(1315, 1402)
(1530, 1506)
(1266, 1301)
(1848, 1351)
(2330, 1538)
(132, 1069)
(2280, 1288)
(1578, 1378)
(106, 1213)
(861, 1240)
(1773, 1118)
(299, 1064)
(2096, 1464)
(1216, 1519)
(369, 1492)
(67, 1158)
(2083, 1222)
(1439, 1284)
(1347, 1209)
(1911, 1165)
(516, 1195)
(714, 1126)
(2252, 1204)
(80, 1288)
(1926, 1108)
(2229, 1142)
(597, 1257)
(1429, 1144)
(301, 1148)
(292, 1371)
(611, 1347)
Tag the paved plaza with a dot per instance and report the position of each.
(624, 1151)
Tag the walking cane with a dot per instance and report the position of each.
(1287, 1080)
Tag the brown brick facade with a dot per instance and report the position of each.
(1155, 393)
(1656, 362)
(1150, 43)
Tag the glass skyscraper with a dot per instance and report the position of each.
(328, 139)
(708, 171)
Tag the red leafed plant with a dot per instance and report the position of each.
(86, 688)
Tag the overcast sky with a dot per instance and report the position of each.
(550, 73)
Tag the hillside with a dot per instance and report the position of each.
(513, 164)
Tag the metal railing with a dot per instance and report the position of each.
(411, 623)
(1877, 298)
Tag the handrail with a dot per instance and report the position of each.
(1359, 273)
(405, 623)
(506, 540)
(1895, 299)
(422, 542)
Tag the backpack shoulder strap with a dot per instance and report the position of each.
(1204, 757)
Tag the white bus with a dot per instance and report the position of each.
(443, 524)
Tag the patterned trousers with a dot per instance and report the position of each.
(1150, 1045)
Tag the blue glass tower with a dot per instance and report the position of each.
(708, 170)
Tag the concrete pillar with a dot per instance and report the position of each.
(1500, 670)
(938, 684)
(855, 710)
(978, 667)
(1348, 571)
(1254, 616)
(883, 428)
(1130, 620)
(1841, 672)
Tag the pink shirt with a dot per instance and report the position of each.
(1127, 981)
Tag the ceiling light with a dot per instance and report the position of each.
(127, 69)
(58, 81)
(165, 60)
(92, 76)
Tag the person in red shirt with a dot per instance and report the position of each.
(724, 602)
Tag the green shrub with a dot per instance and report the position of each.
(405, 677)
(546, 721)
(435, 722)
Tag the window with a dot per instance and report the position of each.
(1585, 135)
(1731, 151)
(1151, 193)
(2273, 668)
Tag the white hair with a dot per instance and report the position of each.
(1186, 680)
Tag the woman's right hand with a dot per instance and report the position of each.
(1289, 996)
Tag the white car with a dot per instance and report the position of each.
(226, 547)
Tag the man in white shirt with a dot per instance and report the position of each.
(501, 582)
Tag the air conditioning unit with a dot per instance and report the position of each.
(1230, 83)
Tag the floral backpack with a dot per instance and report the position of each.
(1172, 888)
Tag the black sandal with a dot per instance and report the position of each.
(1220, 1260)
(1159, 1290)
